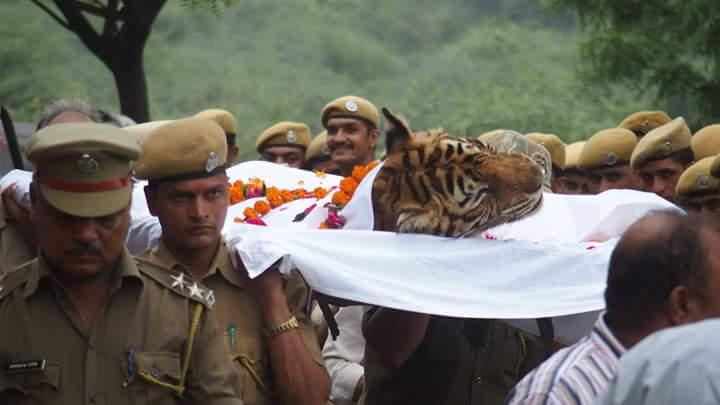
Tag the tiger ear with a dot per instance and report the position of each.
(397, 132)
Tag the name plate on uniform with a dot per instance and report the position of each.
(25, 367)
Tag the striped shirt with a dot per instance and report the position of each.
(574, 375)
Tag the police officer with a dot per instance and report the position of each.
(661, 156)
(642, 122)
(706, 142)
(606, 159)
(352, 124)
(573, 180)
(89, 324)
(317, 157)
(556, 148)
(284, 143)
(228, 123)
(698, 190)
(271, 340)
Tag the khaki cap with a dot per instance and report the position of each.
(572, 155)
(697, 179)
(509, 141)
(609, 147)
(318, 148)
(553, 144)
(284, 133)
(350, 107)
(489, 134)
(706, 142)
(83, 169)
(223, 118)
(141, 131)
(642, 122)
(183, 149)
(661, 143)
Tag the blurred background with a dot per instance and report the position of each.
(468, 66)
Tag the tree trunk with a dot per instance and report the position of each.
(129, 73)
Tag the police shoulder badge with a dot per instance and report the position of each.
(351, 106)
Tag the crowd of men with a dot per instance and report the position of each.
(84, 321)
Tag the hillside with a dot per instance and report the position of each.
(466, 65)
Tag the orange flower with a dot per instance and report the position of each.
(359, 172)
(340, 198)
(324, 225)
(299, 193)
(320, 192)
(320, 173)
(250, 213)
(287, 195)
(239, 184)
(348, 185)
(262, 207)
(236, 195)
(372, 165)
(238, 220)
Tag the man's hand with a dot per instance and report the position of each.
(20, 217)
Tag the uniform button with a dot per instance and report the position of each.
(479, 380)
(155, 372)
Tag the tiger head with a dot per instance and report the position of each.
(434, 183)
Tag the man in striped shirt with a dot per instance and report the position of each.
(663, 272)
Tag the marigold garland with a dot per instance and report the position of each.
(341, 197)
(275, 197)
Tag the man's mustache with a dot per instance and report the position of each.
(85, 250)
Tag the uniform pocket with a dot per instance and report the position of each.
(31, 386)
(160, 372)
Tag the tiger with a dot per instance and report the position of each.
(435, 183)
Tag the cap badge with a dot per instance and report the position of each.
(87, 164)
(611, 158)
(351, 106)
(291, 136)
(325, 150)
(667, 148)
(703, 182)
(212, 162)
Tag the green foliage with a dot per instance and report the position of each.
(668, 48)
(467, 65)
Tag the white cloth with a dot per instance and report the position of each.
(344, 356)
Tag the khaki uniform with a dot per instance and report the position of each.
(146, 313)
(447, 369)
(14, 251)
(240, 318)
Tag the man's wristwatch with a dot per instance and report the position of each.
(290, 324)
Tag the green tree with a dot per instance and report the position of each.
(116, 31)
(669, 48)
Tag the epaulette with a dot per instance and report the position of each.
(14, 279)
(177, 282)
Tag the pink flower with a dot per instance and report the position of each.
(253, 192)
(255, 221)
(335, 220)
(309, 209)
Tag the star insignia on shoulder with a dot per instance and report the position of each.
(179, 281)
(196, 291)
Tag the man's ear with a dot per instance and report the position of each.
(151, 198)
(232, 155)
(682, 308)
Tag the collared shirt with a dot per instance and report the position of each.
(14, 251)
(574, 375)
(240, 318)
(143, 327)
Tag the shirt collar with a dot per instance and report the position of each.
(41, 269)
(602, 335)
(221, 264)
